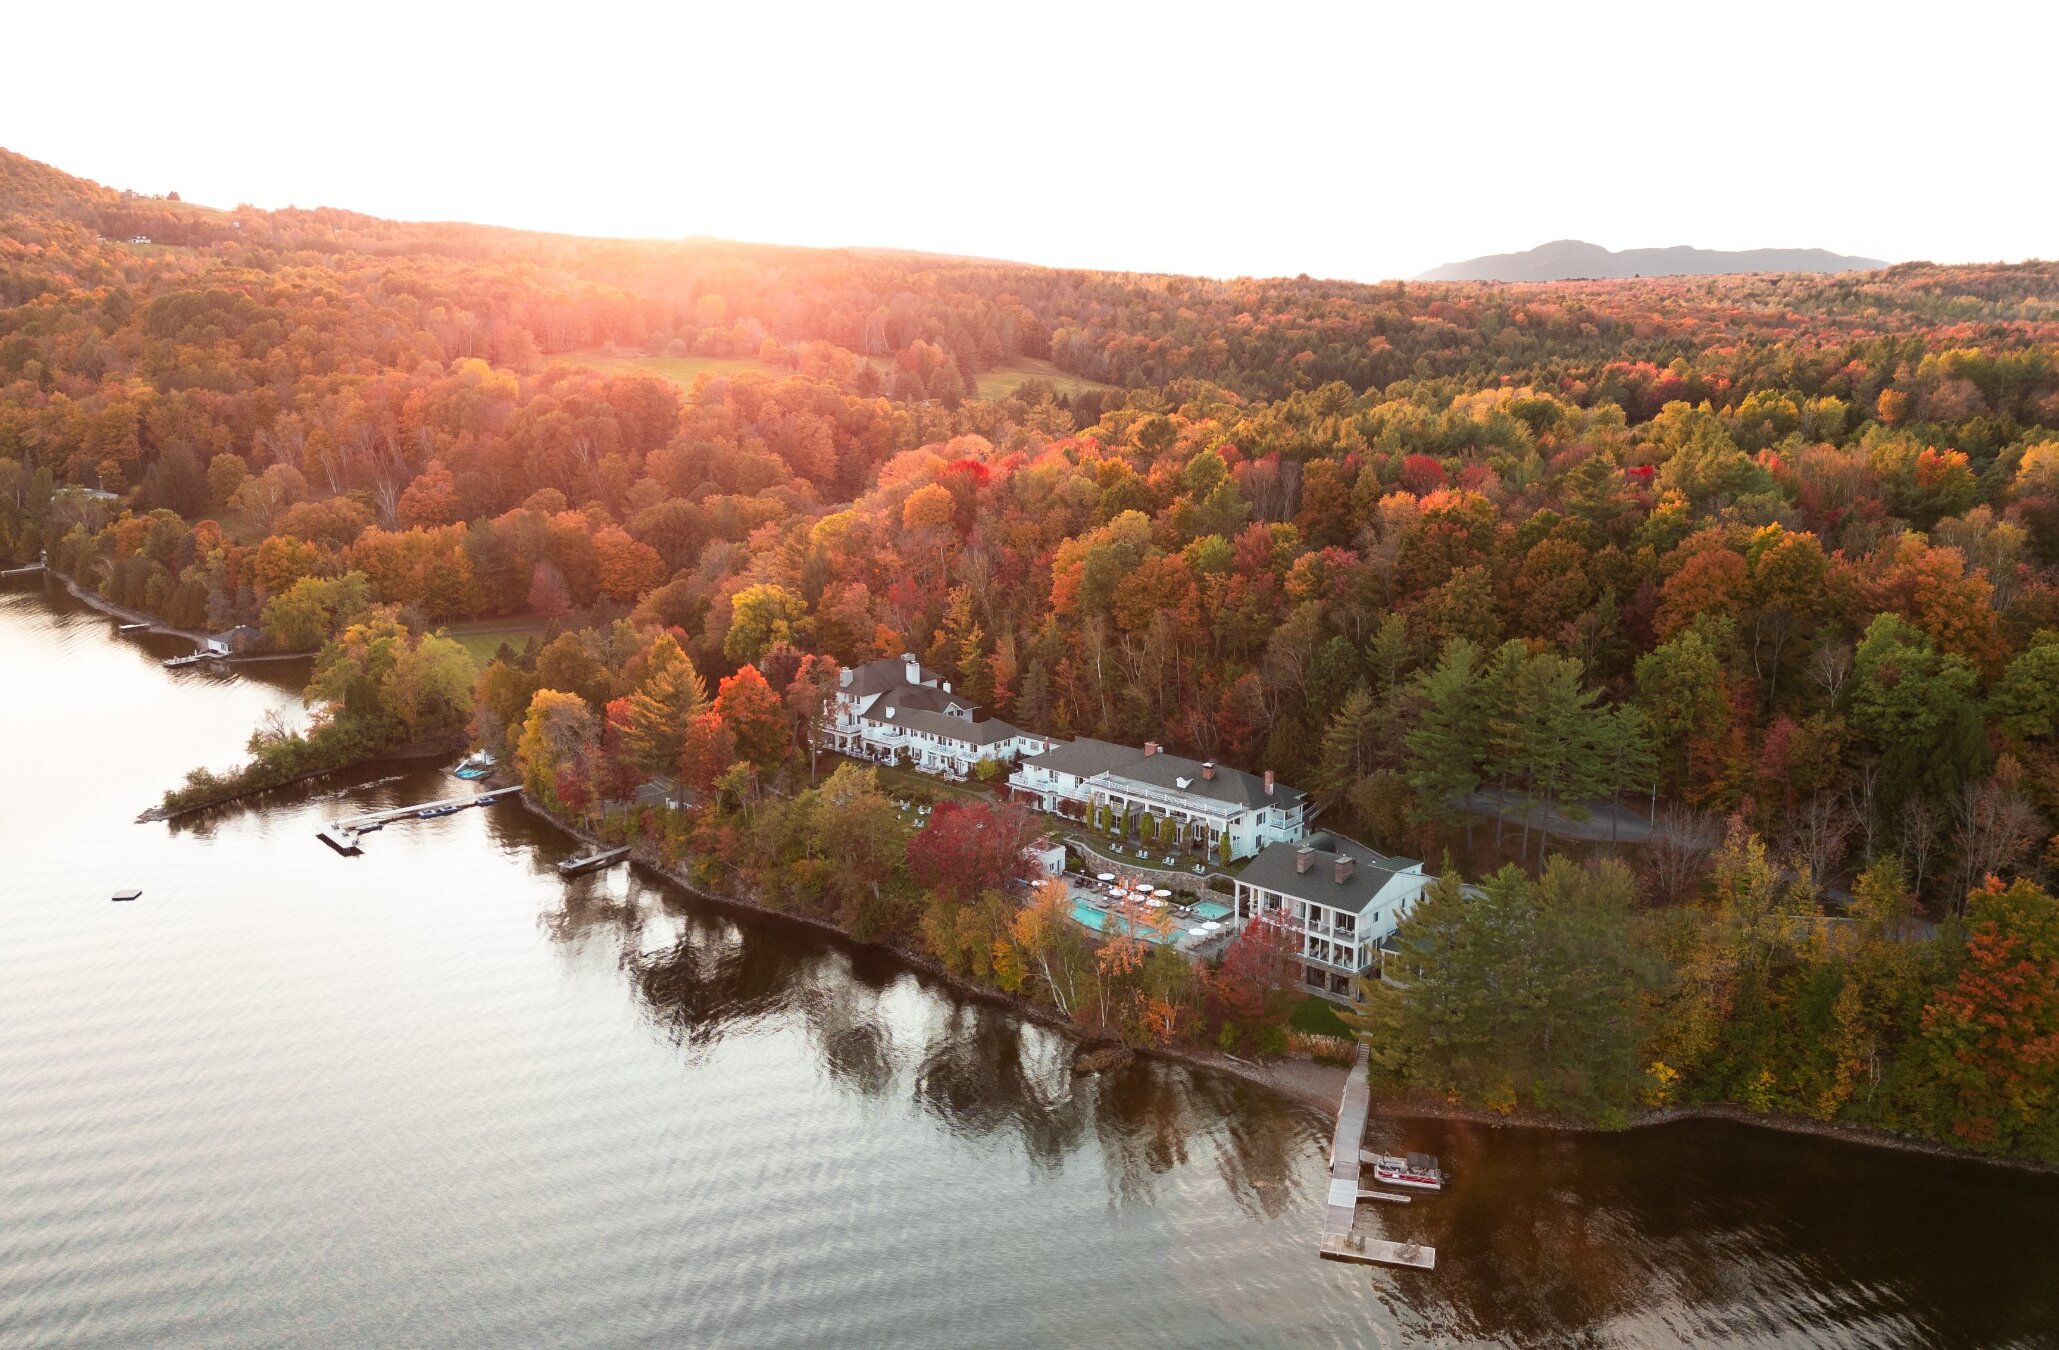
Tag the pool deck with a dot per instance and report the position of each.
(1090, 895)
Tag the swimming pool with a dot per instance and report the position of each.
(1099, 921)
(1209, 909)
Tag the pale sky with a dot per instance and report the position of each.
(1266, 138)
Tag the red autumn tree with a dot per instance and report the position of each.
(754, 716)
(706, 751)
(971, 847)
(1257, 964)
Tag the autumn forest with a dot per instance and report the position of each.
(1701, 633)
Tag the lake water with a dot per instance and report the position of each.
(436, 1095)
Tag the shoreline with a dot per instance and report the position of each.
(1309, 1083)
(1291, 1081)
(156, 814)
(92, 599)
(1868, 1136)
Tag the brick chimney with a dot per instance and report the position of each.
(1208, 769)
(1304, 858)
(1268, 782)
(1344, 866)
(1150, 749)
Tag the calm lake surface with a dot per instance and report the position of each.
(436, 1095)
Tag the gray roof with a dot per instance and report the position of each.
(920, 698)
(1273, 869)
(876, 677)
(1229, 785)
(1084, 757)
(985, 732)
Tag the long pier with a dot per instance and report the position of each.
(31, 569)
(343, 835)
(1341, 1239)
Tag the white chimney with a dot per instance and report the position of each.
(911, 668)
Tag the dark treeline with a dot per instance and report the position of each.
(1774, 559)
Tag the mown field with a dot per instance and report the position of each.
(993, 384)
(483, 637)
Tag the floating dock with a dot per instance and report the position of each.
(343, 835)
(594, 861)
(1341, 1239)
(174, 662)
(1372, 1251)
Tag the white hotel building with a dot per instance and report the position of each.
(888, 708)
(1203, 801)
(1339, 899)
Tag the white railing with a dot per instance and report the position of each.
(1212, 812)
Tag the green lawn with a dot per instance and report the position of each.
(1000, 383)
(994, 384)
(482, 637)
(1318, 1017)
(678, 369)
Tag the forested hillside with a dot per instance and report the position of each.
(1774, 558)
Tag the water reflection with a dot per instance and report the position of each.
(975, 1068)
(599, 1110)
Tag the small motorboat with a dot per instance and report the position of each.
(1416, 1171)
(128, 895)
(475, 766)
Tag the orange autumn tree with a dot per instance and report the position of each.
(1993, 1034)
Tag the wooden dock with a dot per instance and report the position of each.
(24, 571)
(1341, 1239)
(1372, 1251)
(174, 662)
(591, 862)
(343, 835)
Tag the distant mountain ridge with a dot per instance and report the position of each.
(1563, 259)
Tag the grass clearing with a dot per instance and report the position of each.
(1318, 1017)
(992, 385)
(681, 370)
(483, 637)
(1000, 383)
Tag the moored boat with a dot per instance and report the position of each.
(1416, 1171)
